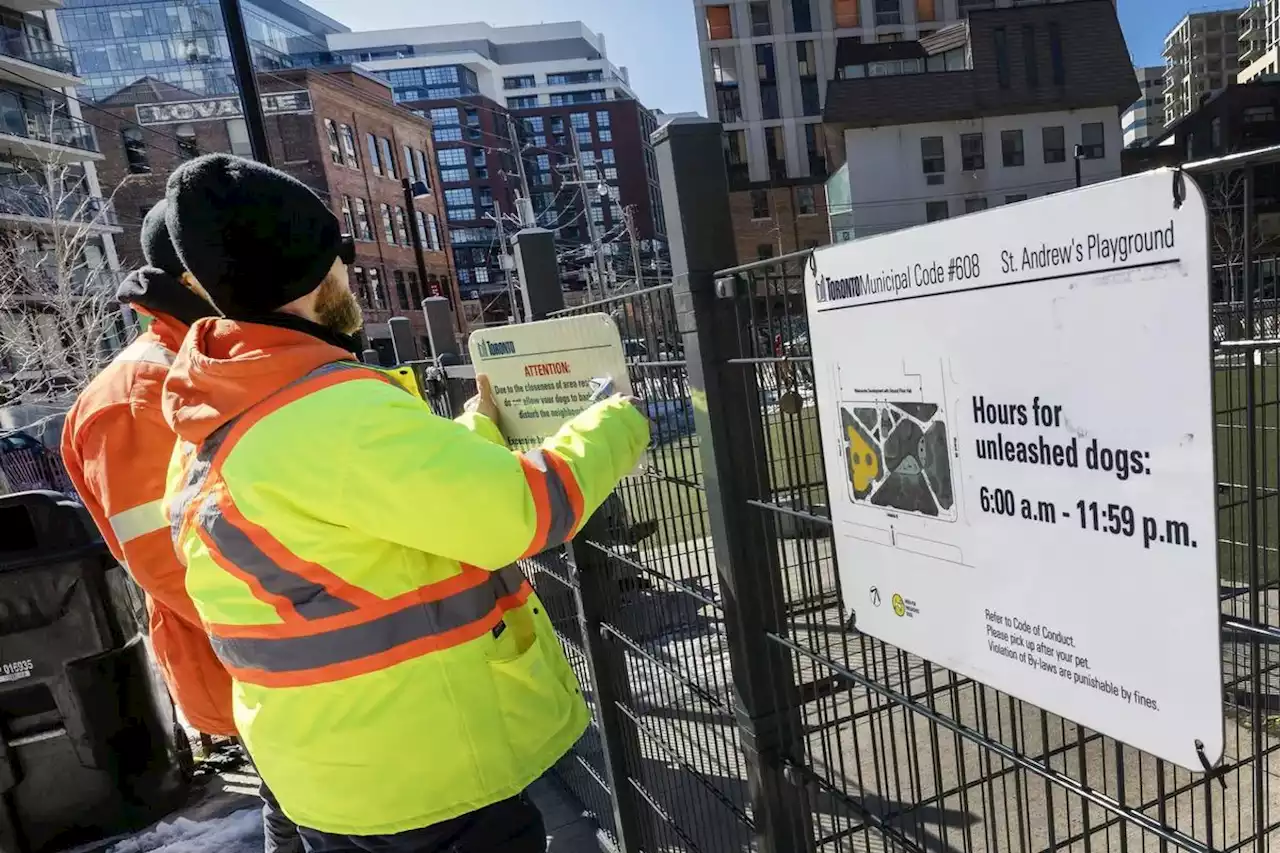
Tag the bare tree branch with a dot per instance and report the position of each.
(59, 320)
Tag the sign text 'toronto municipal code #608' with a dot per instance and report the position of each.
(1017, 419)
(542, 372)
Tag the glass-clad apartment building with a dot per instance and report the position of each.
(182, 42)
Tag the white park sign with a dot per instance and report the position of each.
(1019, 438)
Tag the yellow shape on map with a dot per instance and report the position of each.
(864, 462)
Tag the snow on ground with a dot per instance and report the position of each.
(240, 832)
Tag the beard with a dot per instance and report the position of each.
(338, 309)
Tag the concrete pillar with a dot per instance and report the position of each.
(402, 340)
(535, 250)
(438, 312)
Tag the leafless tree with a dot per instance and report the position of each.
(59, 319)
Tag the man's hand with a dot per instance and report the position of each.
(483, 403)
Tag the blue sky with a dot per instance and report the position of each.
(656, 39)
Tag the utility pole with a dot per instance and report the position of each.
(242, 63)
(582, 183)
(412, 212)
(524, 205)
(505, 263)
(635, 245)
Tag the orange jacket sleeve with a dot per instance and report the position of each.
(118, 460)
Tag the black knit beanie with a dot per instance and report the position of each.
(157, 248)
(254, 237)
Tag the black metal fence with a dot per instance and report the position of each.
(735, 709)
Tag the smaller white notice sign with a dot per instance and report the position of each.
(1017, 423)
(542, 373)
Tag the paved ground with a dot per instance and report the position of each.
(219, 819)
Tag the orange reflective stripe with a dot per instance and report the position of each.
(375, 644)
(537, 482)
(274, 556)
(572, 492)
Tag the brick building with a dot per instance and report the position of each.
(336, 130)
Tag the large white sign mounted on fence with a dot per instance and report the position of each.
(1018, 424)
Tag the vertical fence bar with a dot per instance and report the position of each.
(598, 597)
(727, 415)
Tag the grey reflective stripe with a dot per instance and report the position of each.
(198, 469)
(197, 474)
(148, 352)
(138, 521)
(311, 600)
(416, 621)
(562, 518)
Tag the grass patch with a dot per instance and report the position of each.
(670, 491)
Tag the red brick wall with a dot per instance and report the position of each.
(299, 146)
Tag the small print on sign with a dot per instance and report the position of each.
(548, 372)
(1026, 466)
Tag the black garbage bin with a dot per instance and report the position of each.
(89, 740)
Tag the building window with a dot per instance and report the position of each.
(761, 25)
(801, 16)
(402, 227)
(775, 149)
(238, 136)
(1093, 139)
(415, 289)
(607, 156)
(1029, 58)
(1011, 150)
(524, 102)
(805, 202)
(376, 288)
(1015, 198)
(335, 150)
(402, 292)
(364, 230)
(347, 221)
(135, 151)
(424, 171)
(815, 150)
(1055, 55)
(972, 153)
(926, 10)
(846, 13)
(187, 146)
(1002, 57)
(719, 22)
(764, 251)
(349, 156)
(888, 13)
(935, 210)
(932, 155)
(448, 157)
(388, 159)
(371, 147)
(455, 176)
(360, 285)
(973, 205)
(1258, 115)
(759, 204)
(433, 233)
(524, 81)
(1055, 145)
(410, 167)
(388, 234)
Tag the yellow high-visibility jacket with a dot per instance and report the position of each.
(350, 555)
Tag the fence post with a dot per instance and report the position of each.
(598, 597)
(729, 420)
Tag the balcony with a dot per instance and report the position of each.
(29, 60)
(50, 138)
(34, 206)
(32, 5)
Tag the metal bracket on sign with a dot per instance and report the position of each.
(1210, 771)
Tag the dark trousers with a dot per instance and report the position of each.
(511, 826)
(280, 834)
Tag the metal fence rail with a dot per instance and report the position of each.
(734, 707)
